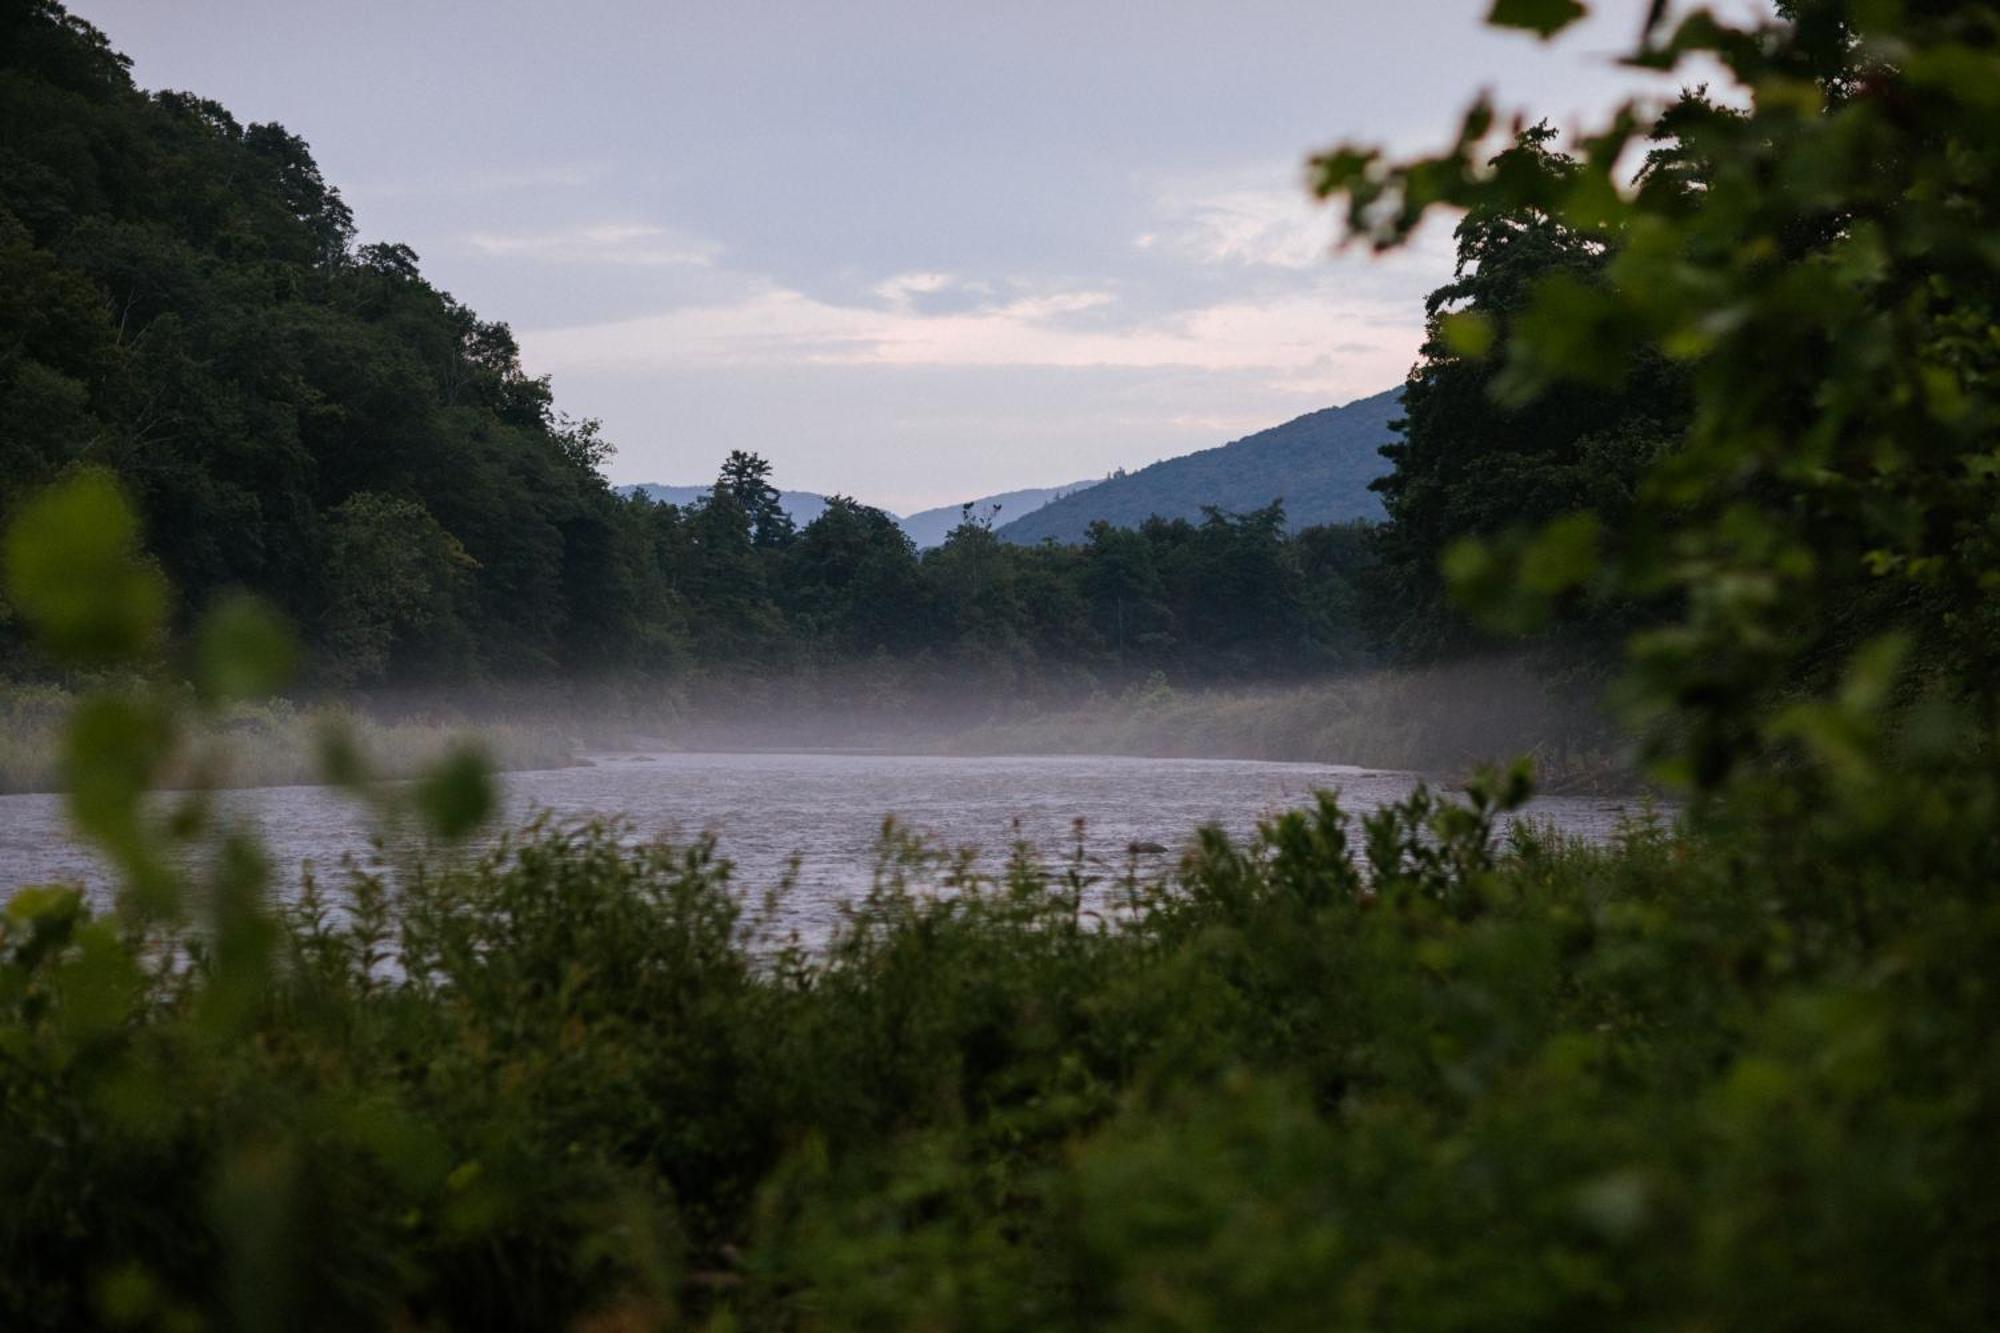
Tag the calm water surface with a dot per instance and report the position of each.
(825, 808)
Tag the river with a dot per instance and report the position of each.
(825, 808)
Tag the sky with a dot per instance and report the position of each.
(911, 252)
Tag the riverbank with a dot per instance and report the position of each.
(277, 743)
(1446, 722)
(1441, 722)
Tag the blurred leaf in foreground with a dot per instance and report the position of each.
(1544, 18)
(74, 570)
(244, 650)
(457, 795)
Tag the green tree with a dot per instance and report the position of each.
(980, 613)
(747, 479)
(396, 582)
(1825, 281)
(1128, 598)
(852, 582)
(1477, 460)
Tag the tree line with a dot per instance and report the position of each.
(1232, 596)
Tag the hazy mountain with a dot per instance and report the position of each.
(926, 529)
(1319, 464)
(932, 526)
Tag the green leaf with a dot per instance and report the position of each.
(40, 902)
(244, 649)
(1471, 571)
(457, 795)
(127, 1295)
(115, 748)
(1340, 169)
(1872, 673)
(1572, 330)
(74, 570)
(1467, 333)
(1616, 1204)
(341, 762)
(1478, 121)
(1544, 18)
(1562, 555)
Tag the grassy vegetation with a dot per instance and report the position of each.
(271, 743)
(1432, 720)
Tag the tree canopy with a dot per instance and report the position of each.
(1817, 268)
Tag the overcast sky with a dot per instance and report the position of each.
(913, 252)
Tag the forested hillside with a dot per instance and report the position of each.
(185, 307)
(1319, 466)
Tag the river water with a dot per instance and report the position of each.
(826, 809)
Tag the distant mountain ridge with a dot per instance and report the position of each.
(1319, 464)
(927, 528)
(932, 526)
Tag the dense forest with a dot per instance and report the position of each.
(294, 415)
(311, 420)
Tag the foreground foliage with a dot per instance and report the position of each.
(1386, 1076)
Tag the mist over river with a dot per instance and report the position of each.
(827, 808)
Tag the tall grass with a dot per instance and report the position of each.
(1448, 719)
(273, 743)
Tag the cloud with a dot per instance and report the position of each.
(613, 243)
(1290, 339)
(902, 289)
(1238, 220)
(1252, 292)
